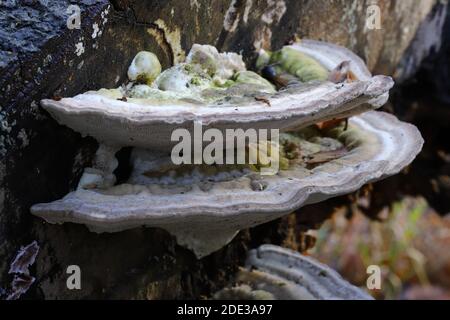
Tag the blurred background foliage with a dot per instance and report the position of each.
(408, 241)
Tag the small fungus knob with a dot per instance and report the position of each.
(144, 68)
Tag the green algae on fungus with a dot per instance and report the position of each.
(294, 150)
(306, 147)
(220, 66)
(207, 76)
(183, 78)
(250, 77)
(299, 148)
(310, 146)
(157, 113)
(294, 62)
(116, 93)
(145, 92)
(263, 152)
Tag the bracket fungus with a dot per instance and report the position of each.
(148, 116)
(204, 206)
(273, 272)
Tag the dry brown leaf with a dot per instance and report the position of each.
(326, 156)
(264, 100)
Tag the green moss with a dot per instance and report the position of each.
(110, 93)
(196, 81)
(223, 84)
(250, 77)
(351, 137)
(205, 61)
(263, 151)
(144, 79)
(299, 64)
(263, 59)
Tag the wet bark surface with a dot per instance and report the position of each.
(42, 161)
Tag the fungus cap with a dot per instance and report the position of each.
(288, 275)
(150, 124)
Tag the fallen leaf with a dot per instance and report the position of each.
(20, 285)
(325, 156)
(263, 99)
(351, 76)
(330, 124)
(24, 259)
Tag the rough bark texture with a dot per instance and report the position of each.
(41, 161)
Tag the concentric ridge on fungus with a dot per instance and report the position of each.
(276, 273)
(288, 275)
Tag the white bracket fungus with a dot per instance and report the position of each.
(283, 274)
(149, 123)
(205, 214)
